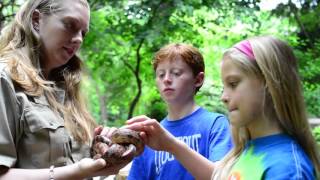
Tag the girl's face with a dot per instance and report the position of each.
(242, 95)
(176, 82)
(61, 33)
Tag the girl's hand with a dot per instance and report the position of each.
(152, 133)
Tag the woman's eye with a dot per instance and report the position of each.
(67, 25)
(70, 26)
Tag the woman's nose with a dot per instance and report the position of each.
(77, 38)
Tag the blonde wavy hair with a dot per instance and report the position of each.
(20, 49)
(275, 65)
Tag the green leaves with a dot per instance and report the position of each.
(316, 133)
(124, 35)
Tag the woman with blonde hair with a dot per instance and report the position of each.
(44, 122)
(271, 135)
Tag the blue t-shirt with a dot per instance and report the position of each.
(274, 157)
(205, 132)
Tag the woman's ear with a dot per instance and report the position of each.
(36, 20)
(199, 79)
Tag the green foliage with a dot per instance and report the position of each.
(316, 133)
(309, 62)
(7, 10)
(111, 49)
(124, 36)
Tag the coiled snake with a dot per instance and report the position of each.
(122, 146)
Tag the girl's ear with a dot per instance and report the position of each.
(199, 79)
(36, 20)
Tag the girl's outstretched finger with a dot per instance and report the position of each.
(137, 119)
(144, 137)
(151, 122)
(137, 126)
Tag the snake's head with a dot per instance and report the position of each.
(122, 146)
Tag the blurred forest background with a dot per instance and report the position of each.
(125, 34)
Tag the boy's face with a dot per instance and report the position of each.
(176, 82)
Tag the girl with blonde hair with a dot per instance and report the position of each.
(44, 122)
(271, 134)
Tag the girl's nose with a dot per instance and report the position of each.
(224, 97)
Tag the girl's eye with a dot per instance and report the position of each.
(233, 84)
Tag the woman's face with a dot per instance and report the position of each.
(61, 33)
(242, 95)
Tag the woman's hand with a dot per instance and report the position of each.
(100, 130)
(88, 167)
(99, 166)
(152, 133)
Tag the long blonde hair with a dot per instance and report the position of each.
(20, 49)
(276, 65)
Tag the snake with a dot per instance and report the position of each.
(120, 147)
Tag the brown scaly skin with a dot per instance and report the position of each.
(121, 147)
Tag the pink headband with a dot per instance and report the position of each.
(245, 47)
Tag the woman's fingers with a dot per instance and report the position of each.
(110, 130)
(105, 131)
(88, 166)
(98, 130)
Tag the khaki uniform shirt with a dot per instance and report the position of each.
(31, 134)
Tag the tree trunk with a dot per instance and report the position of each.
(138, 80)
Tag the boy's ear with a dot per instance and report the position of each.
(199, 79)
(36, 20)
